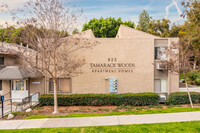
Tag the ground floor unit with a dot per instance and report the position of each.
(129, 63)
(96, 82)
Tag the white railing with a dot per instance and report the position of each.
(190, 89)
(25, 103)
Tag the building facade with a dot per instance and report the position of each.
(128, 63)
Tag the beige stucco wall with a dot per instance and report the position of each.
(65, 85)
(173, 82)
(127, 32)
(10, 60)
(138, 51)
(6, 88)
(129, 46)
(34, 88)
(161, 42)
(173, 78)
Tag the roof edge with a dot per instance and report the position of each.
(123, 26)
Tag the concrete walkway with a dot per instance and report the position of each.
(100, 121)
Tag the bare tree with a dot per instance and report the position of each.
(45, 24)
(180, 60)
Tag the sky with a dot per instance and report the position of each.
(126, 9)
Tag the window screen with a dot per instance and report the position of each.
(157, 86)
(51, 86)
(163, 85)
(160, 86)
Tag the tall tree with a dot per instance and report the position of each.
(159, 27)
(15, 35)
(144, 20)
(174, 31)
(52, 54)
(192, 25)
(106, 27)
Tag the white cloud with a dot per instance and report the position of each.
(177, 8)
(14, 4)
(7, 23)
(5, 15)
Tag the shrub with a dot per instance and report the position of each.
(197, 81)
(182, 98)
(193, 77)
(19, 113)
(138, 99)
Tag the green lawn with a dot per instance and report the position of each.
(175, 127)
(155, 111)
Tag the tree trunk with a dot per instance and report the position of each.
(195, 65)
(55, 96)
(186, 85)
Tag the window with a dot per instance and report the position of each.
(160, 86)
(160, 53)
(63, 85)
(0, 85)
(1, 60)
(51, 87)
(18, 85)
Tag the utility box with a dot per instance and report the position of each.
(113, 85)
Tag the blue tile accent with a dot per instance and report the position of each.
(113, 85)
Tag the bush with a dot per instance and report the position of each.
(182, 98)
(193, 77)
(197, 81)
(138, 99)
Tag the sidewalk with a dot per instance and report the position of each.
(100, 121)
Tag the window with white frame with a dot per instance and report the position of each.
(160, 86)
(18, 85)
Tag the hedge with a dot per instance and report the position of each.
(134, 99)
(182, 98)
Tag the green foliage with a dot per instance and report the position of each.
(19, 113)
(181, 76)
(19, 35)
(191, 28)
(75, 31)
(193, 77)
(144, 20)
(159, 27)
(106, 28)
(172, 127)
(138, 99)
(174, 31)
(182, 98)
(115, 112)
